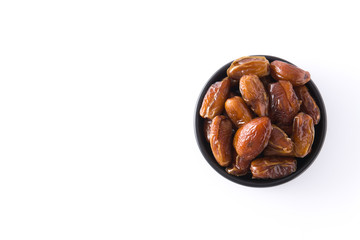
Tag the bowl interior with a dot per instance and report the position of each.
(302, 163)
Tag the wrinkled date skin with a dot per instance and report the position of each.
(254, 94)
(239, 170)
(220, 139)
(207, 127)
(279, 143)
(284, 104)
(250, 140)
(273, 167)
(308, 104)
(284, 71)
(214, 100)
(249, 65)
(239, 166)
(237, 111)
(303, 134)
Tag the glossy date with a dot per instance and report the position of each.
(220, 139)
(284, 71)
(253, 92)
(237, 111)
(308, 104)
(279, 143)
(273, 167)
(284, 104)
(239, 166)
(303, 134)
(214, 100)
(257, 65)
(251, 139)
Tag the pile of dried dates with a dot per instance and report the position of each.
(260, 118)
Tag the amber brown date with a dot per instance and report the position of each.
(254, 94)
(303, 134)
(250, 140)
(239, 167)
(207, 127)
(214, 100)
(284, 104)
(308, 104)
(279, 140)
(237, 111)
(279, 143)
(284, 71)
(220, 139)
(249, 65)
(273, 167)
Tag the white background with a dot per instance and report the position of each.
(97, 102)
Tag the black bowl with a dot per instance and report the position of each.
(302, 163)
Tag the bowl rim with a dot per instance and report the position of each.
(259, 182)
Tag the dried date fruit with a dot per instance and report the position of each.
(303, 134)
(273, 167)
(239, 166)
(279, 140)
(240, 170)
(250, 140)
(220, 139)
(237, 111)
(279, 143)
(249, 65)
(308, 104)
(254, 94)
(284, 71)
(207, 127)
(284, 104)
(214, 100)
